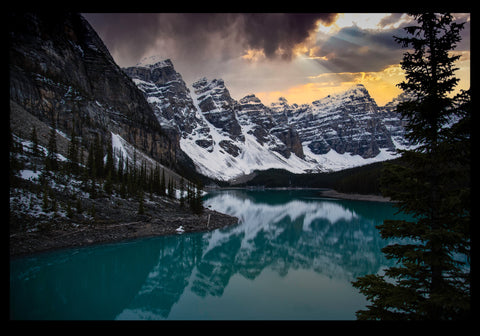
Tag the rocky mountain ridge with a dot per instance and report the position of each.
(62, 74)
(349, 122)
(227, 138)
(86, 149)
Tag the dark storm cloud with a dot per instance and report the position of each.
(391, 19)
(281, 32)
(129, 36)
(353, 49)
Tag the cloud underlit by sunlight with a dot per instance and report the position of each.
(303, 57)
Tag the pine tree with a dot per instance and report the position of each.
(45, 203)
(182, 190)
(430, 280)
(80, 159)
(190, 195)
(170, 188)
(51, 163)
(198, 201)
(109, 165)
(108, 185)
(141, 208)
(79, 205)
(162, 184)
(91, 166)
(120, 165)
(156, 179)
(73, 154)
(15, 165)
(98, 157)
(34, 140)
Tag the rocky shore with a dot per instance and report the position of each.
(113, 223)
(32, 242)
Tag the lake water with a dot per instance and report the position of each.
(293, 256)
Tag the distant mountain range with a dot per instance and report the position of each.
(62, 75)
(226, 138)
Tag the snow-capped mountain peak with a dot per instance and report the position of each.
(227, 138)
(353, 97)
(250, 99)
(154, 61)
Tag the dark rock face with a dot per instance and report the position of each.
(218, 106)
(210, 119)
(269, 130)
(348, 122)
(61, 71)
(167, 93)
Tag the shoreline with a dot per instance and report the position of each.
(325, 192)
(24, 244)
(331, 193)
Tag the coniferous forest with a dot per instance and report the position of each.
(61, 185)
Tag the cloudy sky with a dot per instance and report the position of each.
(303, 57)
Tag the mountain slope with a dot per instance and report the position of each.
(347, 123)
(85, 145)
(62, 73)
(224, 138)
(227, 139)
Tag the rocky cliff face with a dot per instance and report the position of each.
(224, 137)
(167, 93)
(218, 107)
(62, 73)
(347, 123)
(268, 129)
(227, 138)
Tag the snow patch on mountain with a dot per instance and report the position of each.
(333, 161)
(227, 139)
(214, 161)
(153, 61)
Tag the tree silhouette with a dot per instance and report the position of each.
(431, 279)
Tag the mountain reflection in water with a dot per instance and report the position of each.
(290, 248)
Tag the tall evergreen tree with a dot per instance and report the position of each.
(91, 166)
(198, 200)
(15, 164)
(109, 164)
(73, 154)
(98, 156)
(120, 167)
(182, 190)
(108, 184)
(51, 162)
(431, 279)
(34, 140)
(156, 180)
(162, 184)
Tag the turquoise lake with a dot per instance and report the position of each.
(292, 256)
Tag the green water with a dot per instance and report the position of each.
(292, 256)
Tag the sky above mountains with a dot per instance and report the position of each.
(302, 57)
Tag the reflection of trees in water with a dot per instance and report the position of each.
(335, 238)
